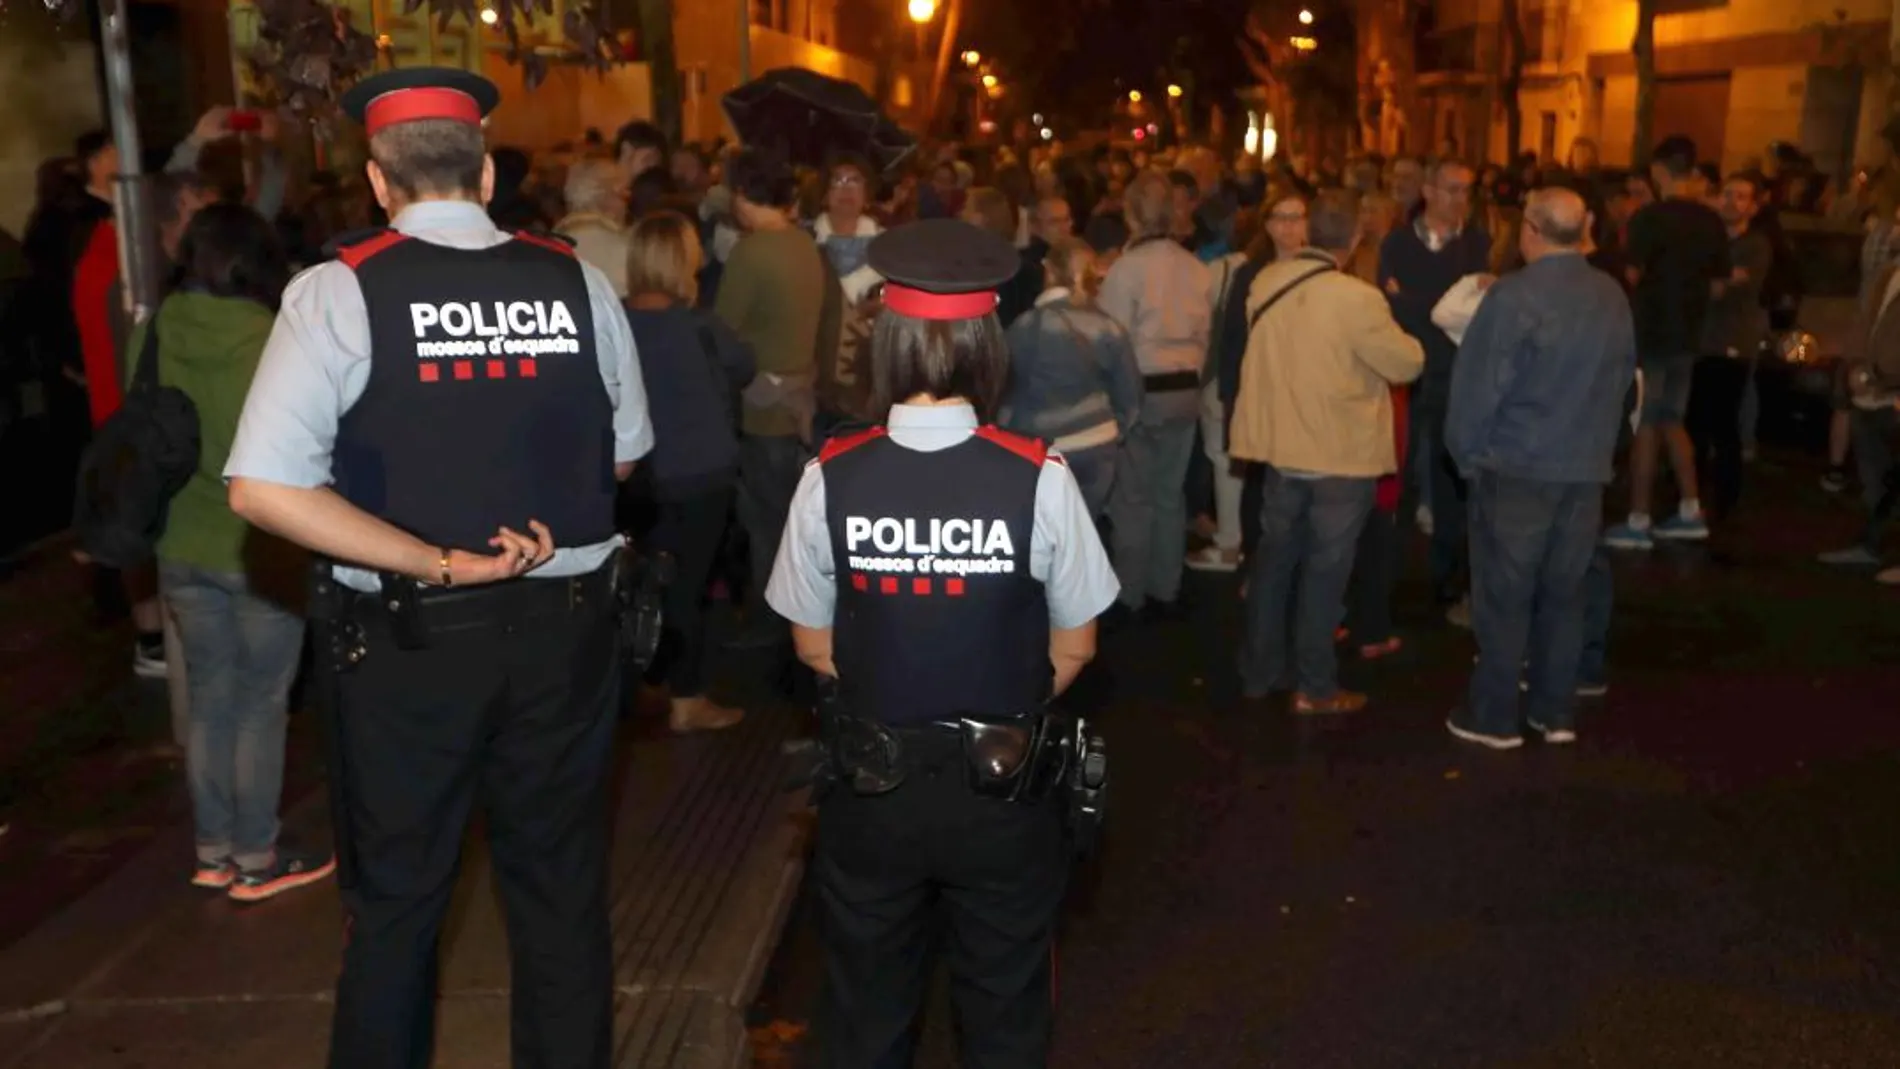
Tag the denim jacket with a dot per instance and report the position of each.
(1073, 378)
(1537, 390)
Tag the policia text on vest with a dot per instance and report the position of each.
(499, 328)
(930, 546)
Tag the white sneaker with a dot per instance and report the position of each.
(1492, 742)
(1214, 559)
(1553, 736)
(148, 662)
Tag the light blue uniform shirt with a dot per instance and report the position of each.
(316, 365)
(1065, 553)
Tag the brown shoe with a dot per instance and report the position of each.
(1343, 701)
(688, 715)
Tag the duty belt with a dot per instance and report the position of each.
(628, 586)
(1024, 759)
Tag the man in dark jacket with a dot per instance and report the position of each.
(1417, 265)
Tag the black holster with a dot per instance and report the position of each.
(640, 584)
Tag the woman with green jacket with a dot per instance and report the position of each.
(225, 583)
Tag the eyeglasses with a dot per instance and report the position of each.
(845, 181)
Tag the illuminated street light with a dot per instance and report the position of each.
(490, 16)
(922, 11)
(1048, 134)
(972, 58)
(1302, 44)
(1306, 17)
(1134, 96)
(1036, 118)
(995, 91)
(989, 81)
(1174, 91)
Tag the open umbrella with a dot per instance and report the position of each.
(808, 117)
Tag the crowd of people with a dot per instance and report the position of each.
(1249, 369)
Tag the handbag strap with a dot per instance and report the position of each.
(1284, 290)
(145, 374)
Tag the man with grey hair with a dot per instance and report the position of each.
(1158, 292)
(1315, 408)
(1536, 404)
(596, 204)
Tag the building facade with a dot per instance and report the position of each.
(716, 42)
(1735, 75)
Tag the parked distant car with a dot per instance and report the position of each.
(1800, 366)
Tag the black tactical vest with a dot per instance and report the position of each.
(937, 613)
(484, 407)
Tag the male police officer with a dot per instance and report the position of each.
(947, 575)
(443, 410)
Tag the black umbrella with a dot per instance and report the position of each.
(808, 117)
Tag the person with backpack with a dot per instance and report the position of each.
(227, 585)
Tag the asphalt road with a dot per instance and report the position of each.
(1709, 879)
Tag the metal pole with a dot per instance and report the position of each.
(138, 252)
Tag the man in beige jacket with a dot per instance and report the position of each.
(1315, 408)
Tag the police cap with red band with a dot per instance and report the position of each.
(942, 269)
(416, 93)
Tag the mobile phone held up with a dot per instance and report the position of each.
(244, 122)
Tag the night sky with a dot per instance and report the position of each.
(1075, 57)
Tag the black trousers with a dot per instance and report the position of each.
(518, 715)
(1714, 423)
(689, 530)
(1375, 569)
(769, 470)
(893, 871)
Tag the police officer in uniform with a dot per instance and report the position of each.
(443, 411)
(947, 576)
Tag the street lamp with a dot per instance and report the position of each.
(1306, 17)
(989, 81)
(972, 58)
(490, 16)
(1303, 44)
(922, 11)
(1134, 96)
(1174, 91)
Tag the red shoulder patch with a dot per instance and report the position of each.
(546, 242)
(839, 446)
(1034, 450)
(354, 255)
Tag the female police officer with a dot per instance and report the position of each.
(945, 574)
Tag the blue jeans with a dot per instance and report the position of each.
(1599, 600)
(1445, 491)
(1531, 547)
(1094, 471)
(1309, 529)
(240, 657)
(1148, 508)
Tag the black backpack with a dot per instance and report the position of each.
(136, 463)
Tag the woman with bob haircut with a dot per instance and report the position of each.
(942, 577)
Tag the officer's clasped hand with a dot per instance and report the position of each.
(516, 554)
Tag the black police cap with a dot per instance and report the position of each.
(414, 93)
(942, 268)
